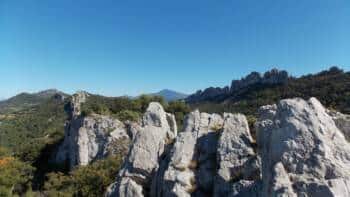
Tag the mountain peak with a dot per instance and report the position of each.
(170, 95)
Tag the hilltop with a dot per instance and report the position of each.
(25, 100)
(170, 95)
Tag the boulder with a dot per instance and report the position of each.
(303, 151)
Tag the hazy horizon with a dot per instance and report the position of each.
(117, 48)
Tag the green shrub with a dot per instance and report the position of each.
(15, 176)
(91, 180)
(128, 115)
(179, 109)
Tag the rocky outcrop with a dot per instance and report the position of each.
(157, 131)
(238, 165)
(209, 94)
(92, 137)
(198, 163)
(342, 121)
(78, 98)
(271, 77)
(192, 164)
(303, 151)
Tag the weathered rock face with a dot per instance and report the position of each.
(342, 121)
(157, 131)
(189, 166)
(303, 152)
(239, 166)
(75, 105)
(192, 165)
(90, 138)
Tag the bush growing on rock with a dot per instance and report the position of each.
(113, 106)
(128, 115)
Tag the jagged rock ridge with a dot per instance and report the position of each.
(302, 151)
(271, 77)
(188, 167)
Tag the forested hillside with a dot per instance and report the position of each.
(25, 100)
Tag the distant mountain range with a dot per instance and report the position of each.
(331, 86)
(24, 100)
(170, 95)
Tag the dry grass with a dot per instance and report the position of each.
(217, 127)
(169, 141)
(5, 161)
(193, 187)
(193, 164)
(181, 168)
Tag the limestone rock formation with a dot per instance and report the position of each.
(189, 166)
(156, 132)
(208, 94)
(193, 157)
(342, 121)
(303, 152)
(75, 105)
(271, 77)
(238, 165)
(91, 137)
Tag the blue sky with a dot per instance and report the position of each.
(131, 47)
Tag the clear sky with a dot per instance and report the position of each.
(114, 47)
